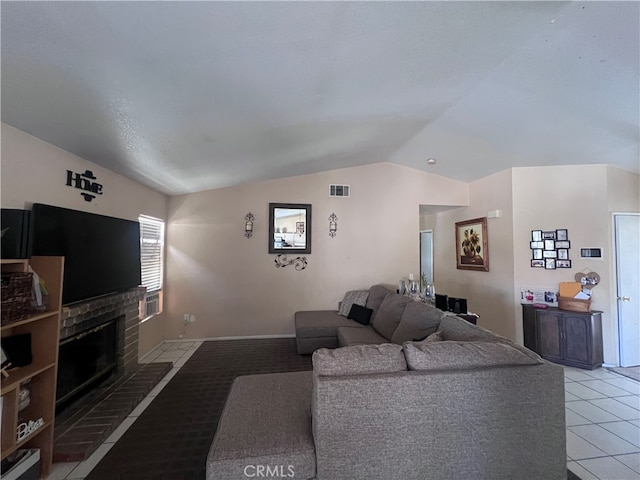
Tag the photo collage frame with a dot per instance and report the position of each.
(550, 249)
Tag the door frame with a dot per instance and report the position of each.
(614, 283)
(420, 232)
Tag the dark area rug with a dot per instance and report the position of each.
(171, 439)
(630, 372)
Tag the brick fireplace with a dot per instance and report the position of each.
(82, 427)
(85, 316)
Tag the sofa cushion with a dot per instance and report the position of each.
(450, 355)
(358, 297)
(434, 337)
(320, 323)
(418, 321)
(456, 328)
(359, 336)
(360, 314)
(266, 421)
(359, 359)
(387, 318)
(376, 295)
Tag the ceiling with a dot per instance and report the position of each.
(190, 96)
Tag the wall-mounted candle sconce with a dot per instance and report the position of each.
(333, 225)
(248, 225)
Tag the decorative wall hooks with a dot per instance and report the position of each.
(248, 225)
(333, 225)
(300, 263)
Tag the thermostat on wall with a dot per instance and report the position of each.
(591, 253)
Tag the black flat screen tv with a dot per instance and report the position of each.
(102, 254)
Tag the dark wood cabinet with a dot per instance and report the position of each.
(561, 336)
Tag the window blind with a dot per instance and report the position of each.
(151, 252)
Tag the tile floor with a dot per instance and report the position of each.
(603, 424)
(176, 352)
(602, 414)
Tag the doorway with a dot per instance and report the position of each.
(426, 257)
(627, 258)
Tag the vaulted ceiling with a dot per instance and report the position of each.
(189, 96)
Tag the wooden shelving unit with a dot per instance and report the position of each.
(44, 328)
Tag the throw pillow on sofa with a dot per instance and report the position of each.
(360, 314)
(359, 359)
(418, 321)
(359, 297)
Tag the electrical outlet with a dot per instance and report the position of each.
(186, 318)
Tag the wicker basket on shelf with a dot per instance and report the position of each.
(574, 304)
(16, 296)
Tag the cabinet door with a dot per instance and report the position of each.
(578, 338)
(550, 335)
(529, 329)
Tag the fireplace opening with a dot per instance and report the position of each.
(85, 360)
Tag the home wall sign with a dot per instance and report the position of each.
(550, 249)
(84, 181)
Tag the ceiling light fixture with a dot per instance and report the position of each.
(431, 161)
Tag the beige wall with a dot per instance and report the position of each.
(579, 198)
(576, 198)
(34, 171)
(230, 283)
(489, 294)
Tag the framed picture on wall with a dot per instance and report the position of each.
(537, 263)
(536, 244)
(537, 253)
(536, 236)
(550, 263)
(562, 234)
(563, 263)
(472, 245)
(551, 235)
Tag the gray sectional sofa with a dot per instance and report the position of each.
(461, 404)
(393, 318)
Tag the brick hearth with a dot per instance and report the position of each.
(81, 429)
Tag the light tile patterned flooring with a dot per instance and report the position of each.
(603, 424)
(602, 415)
(178, 353)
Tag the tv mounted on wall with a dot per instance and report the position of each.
(102, 254)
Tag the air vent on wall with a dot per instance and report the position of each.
(338, 190)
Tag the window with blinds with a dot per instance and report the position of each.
(151, 259)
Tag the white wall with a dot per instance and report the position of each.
(231, 283)
(34, 171)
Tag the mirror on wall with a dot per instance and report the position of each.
(289, 228)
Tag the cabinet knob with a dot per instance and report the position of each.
(625, 299)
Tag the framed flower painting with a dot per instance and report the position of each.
(472, 250)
